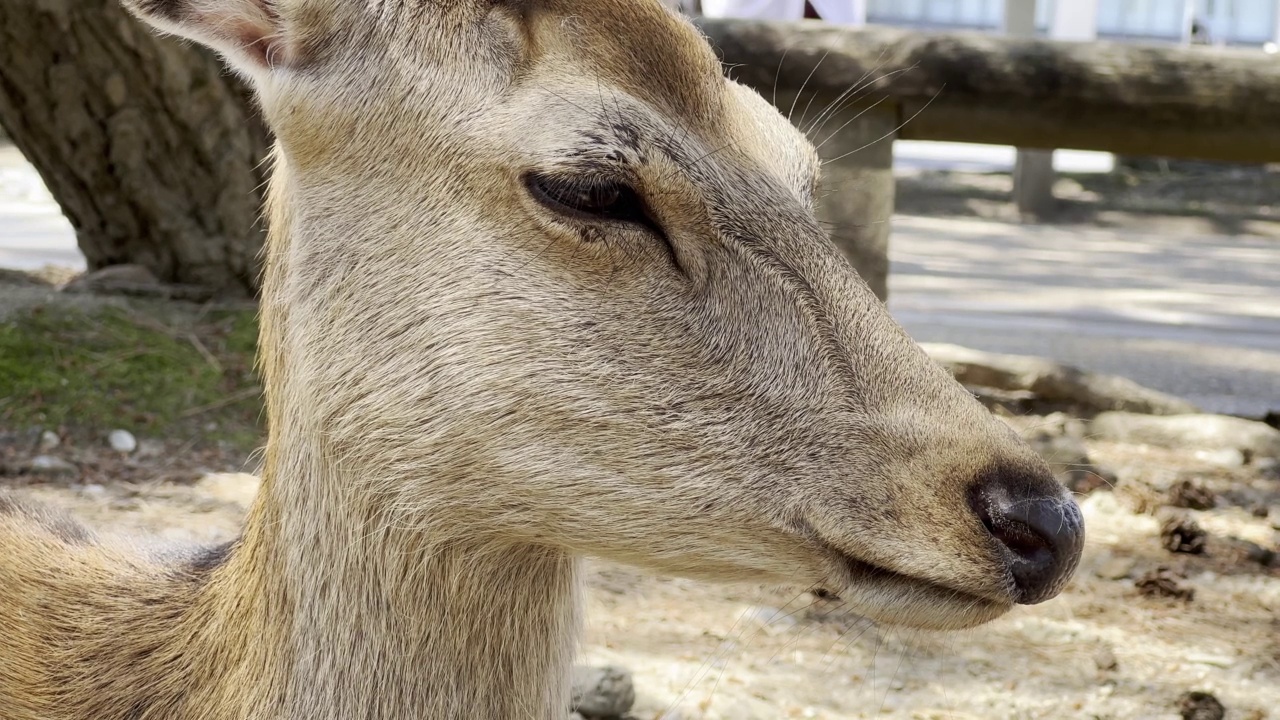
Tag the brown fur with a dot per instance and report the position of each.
(466, 391)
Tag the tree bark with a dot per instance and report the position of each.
(152, 149)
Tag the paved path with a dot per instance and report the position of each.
(1197, 316)
(1194, 315)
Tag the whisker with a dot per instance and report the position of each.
(891, 133)
(805, 84)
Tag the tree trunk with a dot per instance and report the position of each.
(152, 149)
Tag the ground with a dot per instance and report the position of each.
(1101, 650)
(1104, 649)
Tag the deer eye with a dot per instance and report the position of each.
(589, 198)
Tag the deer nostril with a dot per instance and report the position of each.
(1039, 530)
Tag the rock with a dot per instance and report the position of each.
(49, 440)
(576, 716)
(1164, 582)
(1181, 534)
(122, 441)
(602, 692)
(1052, 382)
(51, 466)
(1202, 431)
(1196, 705)
(1193, 495)
(127, 279)
(113, 278)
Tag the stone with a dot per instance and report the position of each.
(1053, 382)
(122, 441)
(51, 466)
(602, 692)
(1192, 495)
(1164, 582)
(1181, 534)
(49, 440)
(1197, 705)
(113, 278)
(1191, 432)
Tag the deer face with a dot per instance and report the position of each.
(540, 273)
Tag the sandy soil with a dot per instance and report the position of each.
(1101, 650)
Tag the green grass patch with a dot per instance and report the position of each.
(152, 369)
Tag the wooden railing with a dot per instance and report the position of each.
(1140, 100)
(877, 84)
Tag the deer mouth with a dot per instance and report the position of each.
(895, 598)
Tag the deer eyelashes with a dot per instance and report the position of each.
(597, 200)
(586, 198)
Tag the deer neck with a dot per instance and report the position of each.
(349, 613)
(357, 618)
(373, 615)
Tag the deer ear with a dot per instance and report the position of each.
(249, 33)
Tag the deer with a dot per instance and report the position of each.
(540, 284)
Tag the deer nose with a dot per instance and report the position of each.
(1038, 528)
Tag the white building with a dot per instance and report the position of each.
(1220, 22)
(1228, 22)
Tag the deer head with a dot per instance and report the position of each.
(540, 274)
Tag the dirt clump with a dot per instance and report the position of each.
(1192, 495)
(1196, 705)
(1166, 582)
(1181, 534)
